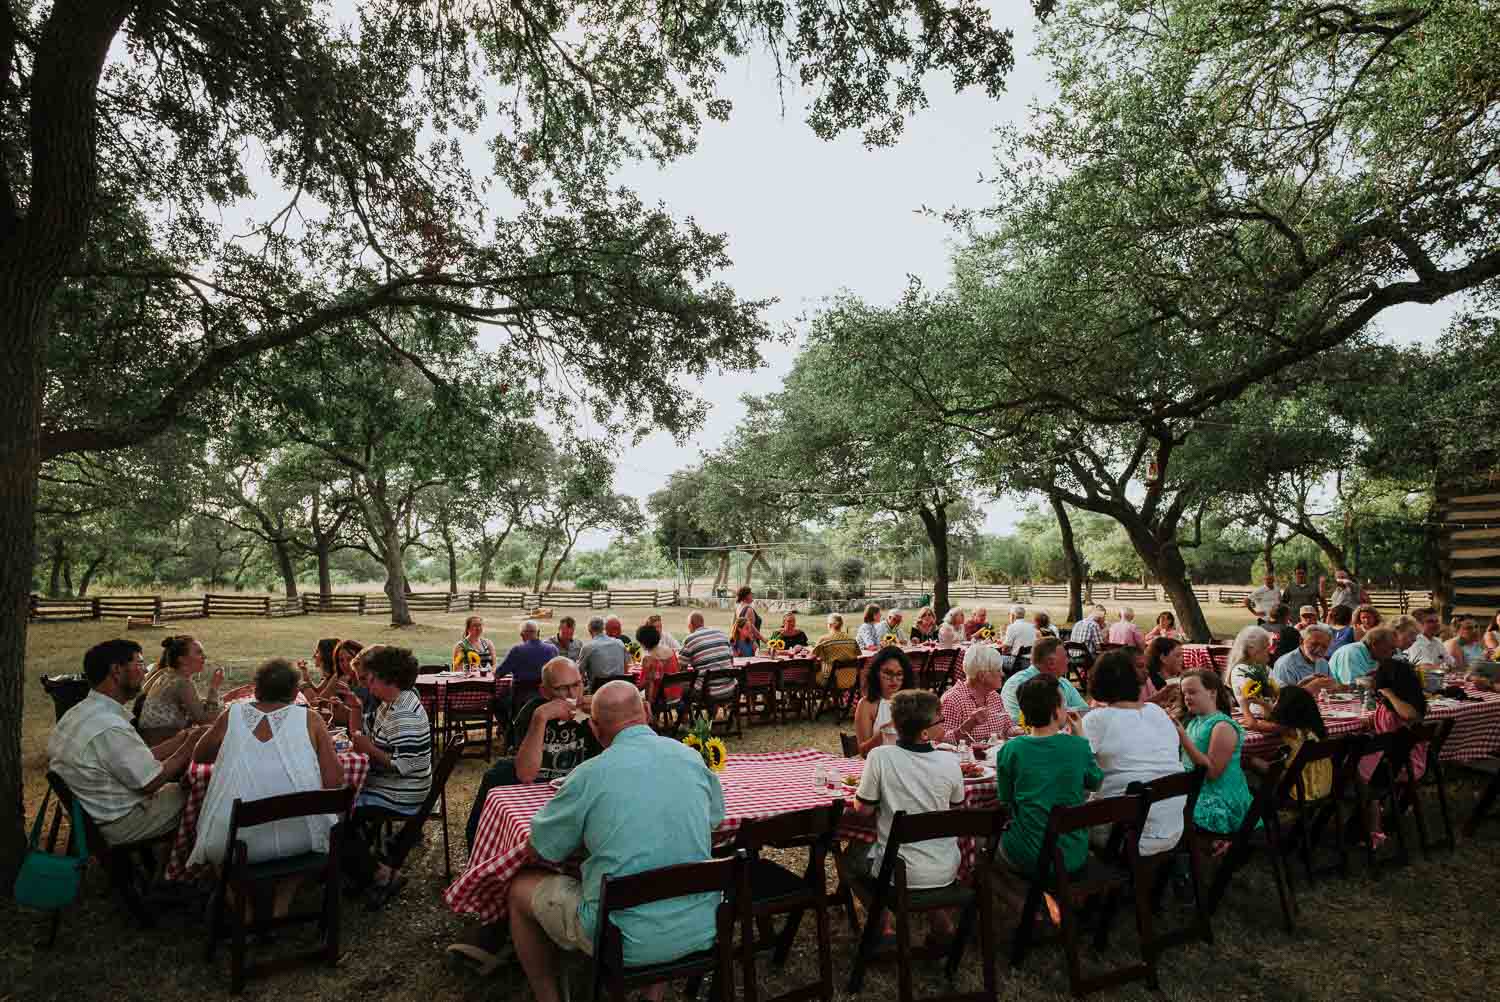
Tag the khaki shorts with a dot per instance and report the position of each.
(151, 818)
(555, 904)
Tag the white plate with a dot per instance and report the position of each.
(987, 773)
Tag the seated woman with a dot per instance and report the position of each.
(789, 634)
(1043, 624)
(654, 620)
(925, 629)
(169, 701)
(1340, 620)
(657, 660)
(323, 660)
(1249, 658)
(978, 621)
(833, 646)
(1366, 618)
(1492, 634)
(399, 744)
(871, 630)
(474, 650)
(744, 638)
(973, 709)
(342, 676)
(1164, 669)
(1400, 702)
(265, 748)
(1212, 741)
(889, 673)
(1296, 713)
(1133, 741)
(1166, 626)
(952, 630)
(1465, 650)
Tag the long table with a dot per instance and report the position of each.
(1476, 725)
(755, 786)
(195, 782)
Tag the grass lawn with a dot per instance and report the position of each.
(1426, 931)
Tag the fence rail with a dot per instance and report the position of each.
(159, 609)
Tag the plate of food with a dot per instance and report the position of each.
(850, 781)
(976, 771)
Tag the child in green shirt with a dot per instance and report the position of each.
(1035, 773)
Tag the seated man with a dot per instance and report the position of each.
(1354, 661)
(1049, 658)
(603, 656)
(125, 786)
(835, 645)
(706, 648)
(553, 743)
(1089, 631)
(523, 663)
(568, 645)
(1019, 633)
(1306, 664)
(645, 802)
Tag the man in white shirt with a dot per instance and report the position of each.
(125, 786)
(1019, 633)
(1427, 649)
(1346, 590)
(1263, 599)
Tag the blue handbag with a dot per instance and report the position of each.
(47, 881)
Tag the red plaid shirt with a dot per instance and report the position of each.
(959, 702)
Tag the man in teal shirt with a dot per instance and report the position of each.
(644, 803)
(1353, 662)
(1051, 658)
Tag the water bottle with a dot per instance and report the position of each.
(965, 754)
(820, 777)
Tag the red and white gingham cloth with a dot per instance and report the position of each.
(1476, 727)
(755, 786)
(195, 785)
(1196, 657)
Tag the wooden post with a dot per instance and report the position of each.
(205, 605)
(94, 607)
(361, 605)
(156, 608)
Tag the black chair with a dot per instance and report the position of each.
(797, 688)
(768, 889)
(670, 716)
(717, 876)
(1079, 660)
(1156, 870)
(758, 700)
(1315, 816)
(1384, 790)
(249, 881)
(849, 745)
(718, 691)
(66, 691)
(1259, 832)
(468, 706)
(840, 689)
(1098, 881)
(130, 865)
(942, 668)
(408, 827)
(1490, 767)
(889, 890)
(1435, 734)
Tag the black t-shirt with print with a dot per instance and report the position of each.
(566, 744)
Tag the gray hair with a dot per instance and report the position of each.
(835, 621)
(551, 668)
(1251, 638)
(982, 658)
(1127, 613)
(596, 624)
(1018, 611)
(530, 626)
(1319, 628)
(953, 613)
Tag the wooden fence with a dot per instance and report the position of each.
(158, 609)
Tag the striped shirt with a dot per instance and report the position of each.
(401, 731)
(707, 648)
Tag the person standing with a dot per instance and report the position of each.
(1262, 600)
(1346, 591)
(1302, 592)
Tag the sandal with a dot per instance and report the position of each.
(479, 960)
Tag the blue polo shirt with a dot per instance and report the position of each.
(525, 660)
(1293, 667)
(1009, 693)
(646, 802)
(1351, 662)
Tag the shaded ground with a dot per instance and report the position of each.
(1424, 932)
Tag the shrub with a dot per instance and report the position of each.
(817, 574)
(851, 573)
(590, 582)
(514, 576)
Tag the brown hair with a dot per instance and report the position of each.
(871, 611)
(1044, 648)
(352, 647)
(395, 665)
(175, 648)
(1210, 680)
(913, 710)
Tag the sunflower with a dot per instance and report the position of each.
(715, 754)
(473, 659)
(1251, 690)
(889, 640)
(1020, 718)
(985, 633)
(777, 644)
(692, 742)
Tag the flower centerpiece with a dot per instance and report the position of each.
(634, 650)
(467, 660)
(702, 741)
(776, 646)
(985, 633)
(890, 640)
(1258, 682)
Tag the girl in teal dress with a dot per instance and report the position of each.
(1212, 742)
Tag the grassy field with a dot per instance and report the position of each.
(1424, 932)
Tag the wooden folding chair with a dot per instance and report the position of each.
(841, 689)
(768, 889)
(797, 688)
(1079, 661)
(130, 865)
(408, 827)
(1097, 881)
(716, 876)
(759, 695)
(1314, 817)
(1435, 733)
(1156, 870)
(669, 715)
(1384, 788)
(718, 689)
(889, 890)
(943, 667)
(1260, 831)
(469, 706)
(248, 879)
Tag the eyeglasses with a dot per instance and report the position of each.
(898, 676)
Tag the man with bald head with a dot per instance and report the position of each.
(646, 802)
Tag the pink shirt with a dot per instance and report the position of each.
(1125, 632)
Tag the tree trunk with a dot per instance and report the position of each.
(452, 564)
(935, 520)
(1072, 556)
(536, 577)
(486, 560)
(54, 581)
(284, 563)
(721, 578)
(325, 571)
(395, 573)
(560, 561)
(1164, 559)
(756, 556)
(88, 573)
(1268, 549)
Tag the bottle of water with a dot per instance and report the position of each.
(820, 777)
(965, 753)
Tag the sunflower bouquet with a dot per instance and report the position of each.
(890, 640)
(634, 650)
(776, 646)
(985, 633)
(702, 741)
(1257, 682)
(466, 659)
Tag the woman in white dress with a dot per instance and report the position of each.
(260, 748)
(1133, 742)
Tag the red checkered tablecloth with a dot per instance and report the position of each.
(1476, 726)
(755, 786)
(195, 783)
(1197, 657)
